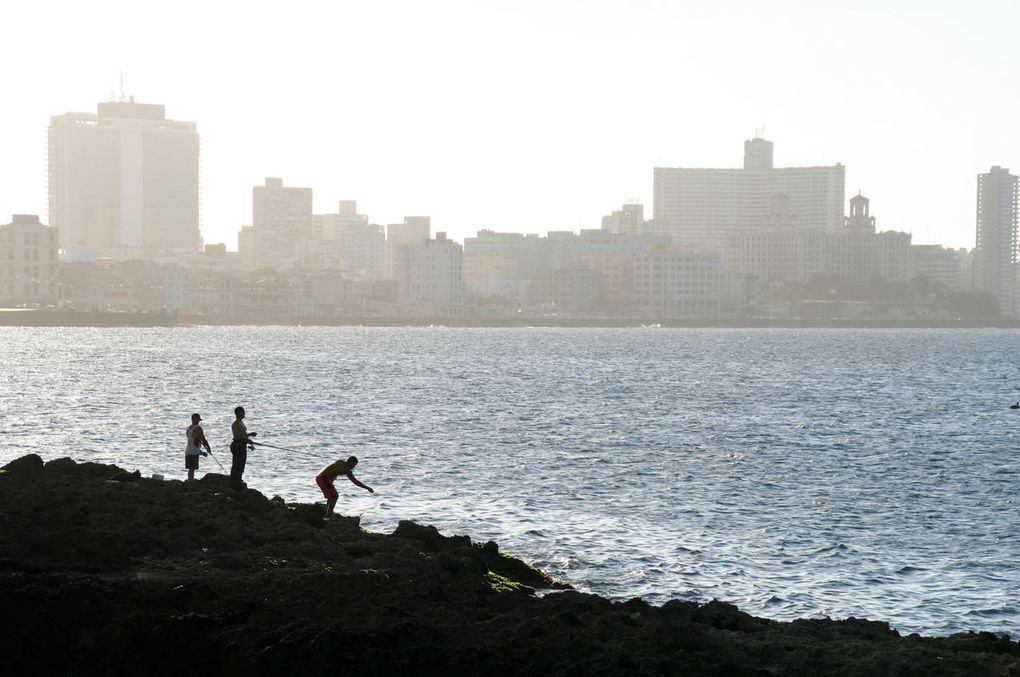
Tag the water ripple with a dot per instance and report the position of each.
(794, 473)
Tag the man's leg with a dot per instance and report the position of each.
(238, 458)
(330, 504)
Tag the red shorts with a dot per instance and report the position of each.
(328, 490)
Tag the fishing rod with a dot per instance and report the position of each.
(273, 446)
(217, 461)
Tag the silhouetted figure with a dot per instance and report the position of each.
(328, 475)
(239, 447)
(196, 440)
(1015, 405)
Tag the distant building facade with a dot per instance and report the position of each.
(628, 220)
(858, 252)
(953, 268)
(996, 252)
(348, 243)
(29, 272)
(246, 247)
(124, 182)
(430, 278)
(702, 207)
(572, 273)
(783, 251)
(672, 285)
(414, 230)
(281, 219)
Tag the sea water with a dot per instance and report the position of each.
(794, 473)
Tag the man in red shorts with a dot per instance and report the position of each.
(328, 475)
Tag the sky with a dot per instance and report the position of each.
(530, 116)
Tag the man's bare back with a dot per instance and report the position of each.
(328, 475)
(334, 470)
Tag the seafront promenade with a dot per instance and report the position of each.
(62, 318)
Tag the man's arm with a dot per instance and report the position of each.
(200, 436)
(243, 436)
(354, 479)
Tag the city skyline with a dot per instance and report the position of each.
(528, 118)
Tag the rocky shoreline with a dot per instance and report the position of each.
(102, 571)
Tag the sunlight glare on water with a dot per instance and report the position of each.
(795, 473)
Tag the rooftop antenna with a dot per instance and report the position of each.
(121, 99)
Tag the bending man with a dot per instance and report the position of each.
(328, 475)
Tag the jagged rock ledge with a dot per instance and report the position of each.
(139, 576)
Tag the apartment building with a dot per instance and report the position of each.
(996, 254)
(430, 278)
(677, 285)
(281, 220)
(347, 242)
(29, 271)
(953, 268)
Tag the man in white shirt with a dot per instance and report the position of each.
(196, 440)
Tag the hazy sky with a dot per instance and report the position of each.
(531, 116)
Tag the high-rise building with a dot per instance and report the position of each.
(281, 218)
(995, 250)
(701, 207)
(124, 182)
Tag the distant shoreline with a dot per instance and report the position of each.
(58, 318)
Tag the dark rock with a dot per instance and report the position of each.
(427, 536)
(26, 464)
(147, 577)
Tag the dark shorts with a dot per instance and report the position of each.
(328, 490)
(191, 461)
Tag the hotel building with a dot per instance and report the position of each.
(782, 251)
(124, 182)
(701, 207)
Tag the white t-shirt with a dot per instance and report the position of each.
(193, 448)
